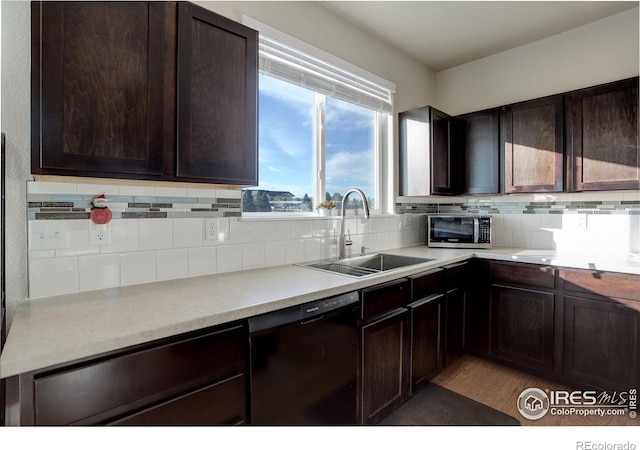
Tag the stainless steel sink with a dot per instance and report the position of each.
(366, 265)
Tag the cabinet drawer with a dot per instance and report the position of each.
(118, 384)
(385, 297)
(524, 274)
(607, 284)
(426, 283)
(221, 404)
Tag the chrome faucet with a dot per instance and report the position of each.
(342, 242)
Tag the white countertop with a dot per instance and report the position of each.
(61, 329)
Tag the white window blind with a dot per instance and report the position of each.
(288, 64)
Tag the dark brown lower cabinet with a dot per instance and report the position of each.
(457, 278)
(223, 403)
(385, 365)
(426, 354)
(602, 342)
(522, 327)
(190, 380)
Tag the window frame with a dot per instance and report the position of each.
(382, 126)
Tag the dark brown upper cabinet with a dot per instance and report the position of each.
(143, 90)
(602, 137)
(217, 98)
(531, 137)
(97, 88)
(431, 159)
(482, 152)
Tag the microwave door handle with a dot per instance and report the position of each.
(476, 230)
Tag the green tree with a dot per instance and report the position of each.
(248, 205)
(262, 202)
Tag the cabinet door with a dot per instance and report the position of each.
(97, 88)
(454, 326)
(97, 391)
(602, 342)
(533, 144)
(217, 98)
(426, 354)
(522, 327)
(415, 152)
(385, 368)
(482, 152)
(446, 163)
(602, 137)
(224, 403)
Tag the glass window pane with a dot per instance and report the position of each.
(349, 150)
(285, 149)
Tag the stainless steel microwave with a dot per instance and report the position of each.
(459, 231)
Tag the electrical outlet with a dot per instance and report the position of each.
(99, 234)
(408, 219)
(210, 230)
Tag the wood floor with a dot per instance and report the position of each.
(499, 387)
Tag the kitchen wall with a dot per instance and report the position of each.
(600, 52)
(16, 119)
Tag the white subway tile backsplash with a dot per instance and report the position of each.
(201, 192)
(53, 276)
(48, 187)
(124, 236)
(97, 189)
(274, 253)
(155, 234)
(285, 230)
(78, 240)
(521, 238)
(229, 258)
(264, 231)
(241, 232)
(202, 261)
(172, 264)
(530, 222)
(512, 221)
(187, 233)
(137, 268)
(304, 229)
(228, 193)
(253, 256)
(294, 251)
(146, 250)
(312, 249)
(141, 191)
(162, 191)
(98, 272)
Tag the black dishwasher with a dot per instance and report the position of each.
(304, 363)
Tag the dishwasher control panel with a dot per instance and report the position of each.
(329, 304)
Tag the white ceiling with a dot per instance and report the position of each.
(444, 34)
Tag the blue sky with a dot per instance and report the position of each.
(286, 141)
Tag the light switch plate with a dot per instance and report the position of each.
(48, 234)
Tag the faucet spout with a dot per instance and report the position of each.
(342, 244)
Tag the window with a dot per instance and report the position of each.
(320, 133)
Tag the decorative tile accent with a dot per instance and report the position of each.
(504, 206)
(77, 206)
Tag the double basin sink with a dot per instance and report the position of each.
(362, 266)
